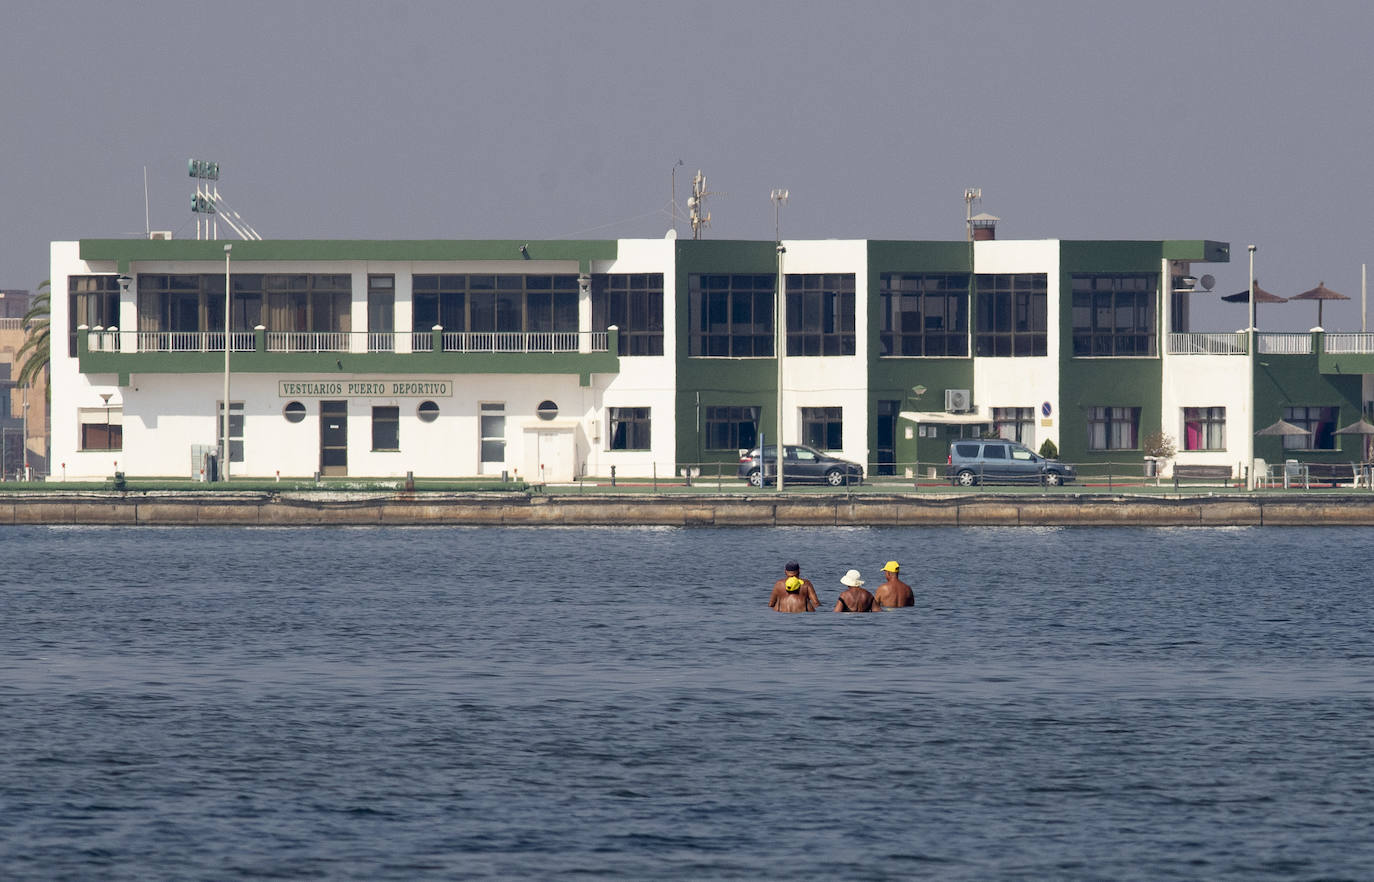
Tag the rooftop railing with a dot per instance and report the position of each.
(1283, 344)
(1348, 344)
(1225, 343)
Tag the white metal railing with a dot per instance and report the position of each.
(11, 324)
(1284, 344)
(189, 341)
(1226, 343)
(101, 340)
(1348, 344)
(307, 341)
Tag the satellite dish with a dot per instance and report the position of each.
(670, 235)
(1208, 281)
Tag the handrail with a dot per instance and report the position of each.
(102, 340)
(1348, 344)
(1223, 343)
(1283, 344)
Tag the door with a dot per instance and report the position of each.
(492, 440)
(801, 464)
(996, 465)
(333, 437)
(1025, 465)
(887, 438)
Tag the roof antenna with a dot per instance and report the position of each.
(695, 202)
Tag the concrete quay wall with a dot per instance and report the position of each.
(486, 509)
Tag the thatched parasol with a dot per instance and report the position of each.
(1320, 294)
(1363, 427)
(1283, 427)
(1261, 296)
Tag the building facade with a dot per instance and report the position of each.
(554, 360)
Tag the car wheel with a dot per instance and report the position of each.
(1053, 479)
(966, 478)
(756, 478)
(834, 477)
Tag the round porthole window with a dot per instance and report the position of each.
(428, 411)
(294, 412)
(546, 410)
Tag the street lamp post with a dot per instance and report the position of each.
(228, 295)
(779, 198)
(1253, 340)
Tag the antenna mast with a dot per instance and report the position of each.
(695, 203)
(971, 195)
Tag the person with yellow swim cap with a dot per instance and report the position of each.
(792, 593)
(893, 591)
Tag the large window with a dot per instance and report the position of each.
(629, 428)
(102, 428)
(386, 428)
(1204, 428)
(1014, 423)
(1113, 428)
(488, 303)
(1114, 314)
(820, 314)
(381, 313)
(923, 314)
(730, 316)
(1012, 315)
(1320, 422)
(93, 301)
(633, 302)
(731, 428)
(279, 301)
(493, 433)
(823, 427)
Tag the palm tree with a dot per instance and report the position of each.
(36, 352)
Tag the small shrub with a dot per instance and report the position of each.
(1048, 450)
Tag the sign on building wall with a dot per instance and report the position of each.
(402, 388)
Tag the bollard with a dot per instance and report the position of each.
(612, 476)
(410, 482)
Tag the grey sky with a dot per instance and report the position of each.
(1240, 121)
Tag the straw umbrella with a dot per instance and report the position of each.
(1320, 294)
(1283, 427)
(1362, 427)
(1261, 296)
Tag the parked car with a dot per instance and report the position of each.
(994, 461)
(800, 464)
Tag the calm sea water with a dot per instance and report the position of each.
(620, 703)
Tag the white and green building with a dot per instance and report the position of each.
(554, 360)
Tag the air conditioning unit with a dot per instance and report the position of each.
(958, 401)
(160, 234)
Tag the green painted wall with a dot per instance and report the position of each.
(719, 381)
(1296, 381)
(1104, 382)
(122, 251)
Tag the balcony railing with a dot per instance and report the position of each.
(1284, 344)
(1228, 343)
(1348, 344)
(112, 340)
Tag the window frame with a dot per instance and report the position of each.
(629, 428)
(906, 299)
(736, 426)
(1113, 420)
(823, 428)
(1100, 302)
(820, 314)
(633, 303)
(1319, 420)
(731, 315)
(386, 426)
(1012, 315)
(1210, 423)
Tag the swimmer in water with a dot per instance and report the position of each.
(893, 591)
(855, 597)
(790, 570)
(794, 597)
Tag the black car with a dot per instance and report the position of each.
(800, 464)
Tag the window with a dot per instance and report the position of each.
(1320, 422)
(820, 314)
(428, 411)
(823, 427)
(547, 410)
(294, 412)
(887, 411)
(730, 316)
(381, 313)
(1113, 428)
(493, 433)
(731, 428)
(1114, 314)
(924, 315)
(188, 305)
(495, 304)
(633, 302)
(1204, 428)
(92, 301)
(629, 428)
(102, 428)
(1012, 315)
(235, 429)
(1014, 423)
(386, 428)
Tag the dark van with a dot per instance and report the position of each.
(994, 461)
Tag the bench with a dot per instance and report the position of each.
(1210, 473)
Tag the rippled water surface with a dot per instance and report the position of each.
(620, 703)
